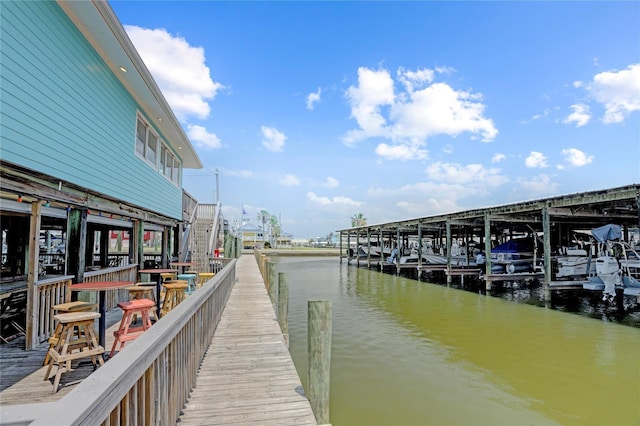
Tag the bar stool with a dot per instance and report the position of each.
(191, 280)
(65, 308)
(203, 277)
(168, 276)
(125, 332)
(77, 340)
(142, 291)
(175, 293)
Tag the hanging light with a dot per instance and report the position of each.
(19, 198)
(47, 204)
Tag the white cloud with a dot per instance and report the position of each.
(339, 200)
(401, 152)
(408, 118)
(313, 98)
(498, 157)
(576, 158)
(178, 68)
(618, 91)
(202, 138)
(289, 180)
(448, 149)
(331, 182)
(458, 174)
(536, 160)
(374, 90)
(536, 187)
(580, 115)
(273, 139)
(415, 79)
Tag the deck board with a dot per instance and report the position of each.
(247, 375)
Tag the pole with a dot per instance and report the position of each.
(283, 305)
(319, 347)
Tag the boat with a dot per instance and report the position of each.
(572, 263)
(516, 255)
(617, 268)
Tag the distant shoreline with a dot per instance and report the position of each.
(299, 251)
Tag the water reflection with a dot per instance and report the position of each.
(408, 352)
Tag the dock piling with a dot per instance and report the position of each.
(319, 347)
(283, 305)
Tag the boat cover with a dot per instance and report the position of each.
(607, 233)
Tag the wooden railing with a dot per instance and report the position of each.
(216, 264)
(148, 382)
(50, 291)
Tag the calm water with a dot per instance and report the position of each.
(406, 352)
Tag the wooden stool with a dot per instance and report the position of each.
(190, 278)
(77, 306)
(77, 340)
(175, 293)
(168, 276)
(125, 332)
(137, 292)
(203, 277)
(65, 308)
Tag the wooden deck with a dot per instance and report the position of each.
(247, 376)
(22, 373)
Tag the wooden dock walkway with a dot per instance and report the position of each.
(247, 376)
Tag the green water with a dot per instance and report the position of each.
(406, 352)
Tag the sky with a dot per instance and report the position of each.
(319, 111)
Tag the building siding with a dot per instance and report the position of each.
(63, 112)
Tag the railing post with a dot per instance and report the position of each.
(319, 347)
(283, 305)
(273, 285)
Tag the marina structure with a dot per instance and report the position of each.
(450, 243)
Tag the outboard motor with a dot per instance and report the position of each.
(608, 270)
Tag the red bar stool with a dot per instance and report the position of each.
(139, 291)
(125, 332)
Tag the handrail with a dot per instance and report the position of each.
(149, 381)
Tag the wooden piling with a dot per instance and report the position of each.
(283, 305)
(273, 285)
(319, 347)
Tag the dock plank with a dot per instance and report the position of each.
(247, 375)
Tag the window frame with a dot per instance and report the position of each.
(162, 158)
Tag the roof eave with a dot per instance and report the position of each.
(101, 27)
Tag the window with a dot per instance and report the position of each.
(152, 144)
(150, 148)
(146, 142)
(169, 165)
(141, 137)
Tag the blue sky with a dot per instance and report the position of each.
(317, 111)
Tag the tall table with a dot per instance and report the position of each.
(157, 273)
(101, 288)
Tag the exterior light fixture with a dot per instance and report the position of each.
(19, 198)
(123, 69)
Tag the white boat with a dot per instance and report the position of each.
(573, 263)
(618, 268)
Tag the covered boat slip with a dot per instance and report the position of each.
(451, 242)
